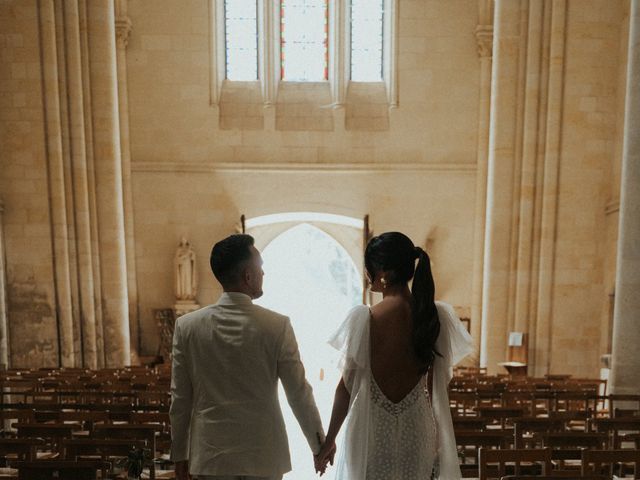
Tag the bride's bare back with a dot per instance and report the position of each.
(393, 362)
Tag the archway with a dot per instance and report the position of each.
(312, 279)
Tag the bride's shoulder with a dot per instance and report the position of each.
(392, 307)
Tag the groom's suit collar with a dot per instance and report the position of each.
(234, 298)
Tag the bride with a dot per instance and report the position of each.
(397, 360)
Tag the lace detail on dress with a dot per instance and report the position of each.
(402, 436)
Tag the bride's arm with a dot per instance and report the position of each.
(338, 414)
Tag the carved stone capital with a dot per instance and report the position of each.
(484, 37)
(123, 29)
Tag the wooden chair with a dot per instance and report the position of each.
(575, 400)
(469, 423)
(162, 421)
(523, 462)
(543, 400)
(23, 449)
(566, 440)
(623, 405)
(595, 461)
(54, 432)
(524, 427)
(84, 418)
(499, 415)
(575, 420)
(520, 399)
(76, 448)
(615, 428)
(469, 443)
(60, 469)
(463, 403)
(631, 438)
(104, 449)
(10, 415)
(145, 432)
(566, 453)
(625, 412)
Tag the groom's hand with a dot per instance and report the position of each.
(324, 457)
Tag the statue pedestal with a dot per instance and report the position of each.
(183, 307)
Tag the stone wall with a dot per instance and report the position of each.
(198, 164)
(425, 203)
(31, 297)
(180, 143)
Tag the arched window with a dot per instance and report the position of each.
(311, 278)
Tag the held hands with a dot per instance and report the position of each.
(325, 456)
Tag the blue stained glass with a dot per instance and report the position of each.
(366, 40)
(241, 39)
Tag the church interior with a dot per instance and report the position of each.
(502, 136)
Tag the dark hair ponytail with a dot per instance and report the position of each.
(426, 324)
(395, 253)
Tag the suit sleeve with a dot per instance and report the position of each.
(181, 399)
(299, 392)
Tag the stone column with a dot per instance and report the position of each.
(549, 209)
(123, 29)
(4, 328)
(109, 190)
(484, 38)
(80, 184)
(625, 370)
(534, 102)
(63, 92)
(91, 181)
(500, 195)
(56, 181)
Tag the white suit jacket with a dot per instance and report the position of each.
(225, 413)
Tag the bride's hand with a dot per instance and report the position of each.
(325, 456)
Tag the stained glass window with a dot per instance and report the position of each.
(241, 39)
(366, 40)
(304, 32)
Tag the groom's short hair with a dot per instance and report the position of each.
(228, 255)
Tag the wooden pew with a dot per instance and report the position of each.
(60, 469)
(595, 461)
(524, 462)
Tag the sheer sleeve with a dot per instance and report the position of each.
(351, 340)
(454, 343)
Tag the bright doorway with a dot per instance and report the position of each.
(312, 279)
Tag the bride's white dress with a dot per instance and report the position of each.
(409, 440)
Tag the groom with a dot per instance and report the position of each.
(226, 422)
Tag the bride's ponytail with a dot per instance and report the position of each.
(426, 324)
(394, 254)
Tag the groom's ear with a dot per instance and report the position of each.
(245, 275)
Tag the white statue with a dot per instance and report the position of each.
(185, 272)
